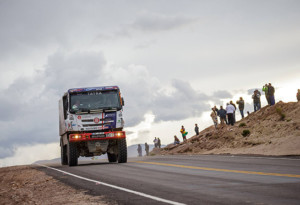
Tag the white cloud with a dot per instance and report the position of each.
(28, 154)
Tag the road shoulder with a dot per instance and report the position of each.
(28, 185)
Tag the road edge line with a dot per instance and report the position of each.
(115, 187)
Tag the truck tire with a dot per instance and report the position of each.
(111, 157)
(63, 154)
(122, 147)
(72, 154)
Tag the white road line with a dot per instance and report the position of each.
(116, 187)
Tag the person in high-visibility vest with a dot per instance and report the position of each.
(183, 132)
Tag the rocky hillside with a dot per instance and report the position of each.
(273, 130)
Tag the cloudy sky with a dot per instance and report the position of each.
(172, 59)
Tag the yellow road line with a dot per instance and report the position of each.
(221, 170)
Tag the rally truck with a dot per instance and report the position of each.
(91, 124)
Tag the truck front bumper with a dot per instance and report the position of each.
(97, 136)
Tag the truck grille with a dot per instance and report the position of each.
(98, 136)
(95, 125)
(91, 125)
(91, 120)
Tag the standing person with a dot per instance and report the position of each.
(298, 95)
(214, 117)
(222, 115)
(155, 142)
(230, 110)
(215, 108)
(158, 143)
(147, 149)
(256, 100)
(241, 104)
(266, 90)
(176, 140)
(271, 91)
(234, 110)
(139, 149)
(183, 132)
(196, 129)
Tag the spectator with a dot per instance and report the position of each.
(271, 91)
(147, 149)
(230, 110)
(183, 132)
(155, 142)
(298, 95)
(196, 129)
(256, 100)
(266, 90)
(241, 104)
(214, 117)
(139, 149)
(158, 143)
(216, 109)
(176, 140)
(222, 115)
(234, 110)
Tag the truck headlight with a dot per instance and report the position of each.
(76, 137)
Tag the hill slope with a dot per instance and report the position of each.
(274, 130)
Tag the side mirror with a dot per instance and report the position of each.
(123, 102)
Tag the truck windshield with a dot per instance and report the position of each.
(94, 101)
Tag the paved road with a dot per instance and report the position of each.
(204, 179)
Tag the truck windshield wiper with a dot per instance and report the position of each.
(110, 109)
(83, 111)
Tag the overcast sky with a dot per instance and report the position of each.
(172, 59)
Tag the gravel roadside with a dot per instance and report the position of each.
(26, 185)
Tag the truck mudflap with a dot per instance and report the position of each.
(96, 136)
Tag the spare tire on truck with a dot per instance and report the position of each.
(72, 154)
(122, 151)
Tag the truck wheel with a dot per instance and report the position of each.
(122, 147)
(72, 154)
(111, 157)
(63, 154)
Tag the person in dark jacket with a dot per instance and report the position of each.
(271, 91)
(222, 114)
(256, 100)
(139, 149)
(196, 129)
(147, 149)
(241, 104)
(158, 143)
(298, 95)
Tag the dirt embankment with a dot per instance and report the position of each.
(26, 185)
(273, 130)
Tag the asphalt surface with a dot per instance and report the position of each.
(203, 179)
